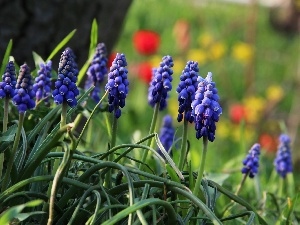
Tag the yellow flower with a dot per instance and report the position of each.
(205, 40)
(246, 134)
(155, 60)
(274, 93)
(197, 55)
(179, 65)
(223, 129)
(242, 52)
(254, 107)
(173, 107)
(217, 50)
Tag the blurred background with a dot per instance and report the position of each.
(251, 47)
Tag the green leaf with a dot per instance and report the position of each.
(6, 56)
(286, 213)
(61, 44)
(172, 173)
(37, 59)
(15, 212)
(7, 137)
(94, 37)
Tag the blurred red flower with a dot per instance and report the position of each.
(237, 113)
(268, 142)
(111, 58)
(146, 42)
(145, 72)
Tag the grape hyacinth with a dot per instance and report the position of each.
(166, 134)
(251, 162)
(97, 71)
(24, 94)
(117, 85)
(206, 108)
(42, 86)
(186, 91)
(283, 160)
(7, 86)
(160, 84)
(65, 86)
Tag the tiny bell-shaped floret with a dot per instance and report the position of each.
(65, 87)
(7, 86)
(206, 108)
(24, 94)
(161, 83)
(283, 161)
(251, 162)
(42, 86)
(186, 91)
(117, 85)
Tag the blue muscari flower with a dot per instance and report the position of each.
(251, 162)
(117, 85)
(206, 108)
(160, 84)
(7, 86)
(24, 94)
(97, 71)
(283, 160)
(65, 87)
(186, 90)
(42, 86)
(166, 134)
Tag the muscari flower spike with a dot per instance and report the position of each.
(117, 85)
(160, 84)
(251, 162)
(42, 86)
(166, 134)
(97, 71)
(7, 86)
(24, 94)
(186, 91)
(65, 87)
(206, 108)
(283, 160)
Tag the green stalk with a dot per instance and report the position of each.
(242, 183)
(112, 144)
(201, 168)
(152, 129)
(5, 121)
(5, 182)
(183, 145)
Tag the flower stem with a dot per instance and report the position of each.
(201, 168)
(5, 182)
(152, 129)
(241, 184)
(183, 145)
(5, 121)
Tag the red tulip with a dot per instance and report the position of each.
(237, 113)
(268, 142)
(146, 42)
(145, 72)
(111, 58)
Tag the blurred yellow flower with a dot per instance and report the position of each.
(238, 134)
(155, 60)
(173, 107)
(274, 93)
(197, 55)
(223, 129)
(205, 40)
(217, 50)
(254, 107)
(179, 65)
(242, 52)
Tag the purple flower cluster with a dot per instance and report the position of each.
(206, 108)
(42, 86)
(24, 94)
(117, 85)
(186, 90)
(65, 86)
(251, 162)
(7, 86)
(166, 134)
(97, 71)
(283, 160)
(160, 84)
